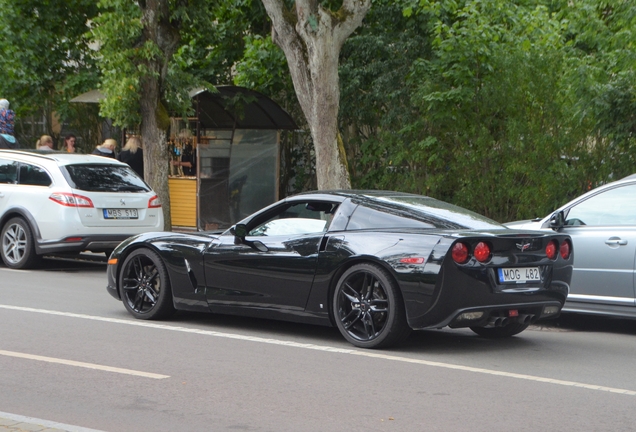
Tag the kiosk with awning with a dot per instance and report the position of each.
(233, 140)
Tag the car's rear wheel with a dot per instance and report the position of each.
(500, 332)
(18, 245)
(144, 285)
(368, 307)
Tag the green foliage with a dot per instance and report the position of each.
(46, 59)
(125, 55)
(507, 108)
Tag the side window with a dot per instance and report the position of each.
(366, 218)
(33, 175)
(295, 219)
(8, 171)
(616, 206)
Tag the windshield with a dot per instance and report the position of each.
(104, 178)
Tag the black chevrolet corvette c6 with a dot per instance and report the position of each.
(374, 264)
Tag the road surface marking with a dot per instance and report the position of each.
(82, 364)
(46, 423)
(325, 348)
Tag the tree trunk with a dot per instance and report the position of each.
(154, 138)
(311, 38)
(155, 121)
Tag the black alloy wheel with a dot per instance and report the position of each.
(368, 307)
(18, 245)
(500, 332)
(144, 285)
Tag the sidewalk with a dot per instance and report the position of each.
(17, 423)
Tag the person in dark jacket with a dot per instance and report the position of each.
(133, 155)
(107, 149)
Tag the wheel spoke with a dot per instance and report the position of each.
(369, 326)
(138, 268)
(379, 306)
(139, 301)
(14, 243)
(348, 324)
(152, 295)
(130, 284)
(350, 293)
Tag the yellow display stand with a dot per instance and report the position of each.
(183, 201)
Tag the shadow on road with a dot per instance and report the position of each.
(72, 263)
(591, 323)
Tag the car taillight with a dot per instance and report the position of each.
(551, 250)
(154, 202)
(71, 200)
(460, 253)
(482, 252)
(412, 260)
(565, 249)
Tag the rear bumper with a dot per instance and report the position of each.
(92, 243)
(514, 312)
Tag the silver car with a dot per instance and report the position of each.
(602, 224)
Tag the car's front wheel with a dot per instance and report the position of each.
(368, 307)
(18, 245)
(500, 332)
(144, 285)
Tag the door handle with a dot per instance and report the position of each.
(615, 241)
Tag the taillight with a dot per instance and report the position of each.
(71, 200)
(482, 252)
(460, 253)
(565, 249)
(551, 250)
(154, 202)
(412, 260)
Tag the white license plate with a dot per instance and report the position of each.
(519, 275)
(121, 214)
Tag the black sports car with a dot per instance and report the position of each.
(374, 264)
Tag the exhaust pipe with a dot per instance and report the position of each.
(527, 319)
(497, 322)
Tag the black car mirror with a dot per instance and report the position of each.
(239, 230)
(557, 220)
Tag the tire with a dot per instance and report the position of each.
(144, 285)
(18, 245)
(500, 332)
(368, 308)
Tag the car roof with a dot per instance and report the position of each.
(61, 158)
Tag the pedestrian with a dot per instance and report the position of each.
(7, 118)
(107, 149)
(133, 154)
(187, 161)
(69, 143)
(45, 143)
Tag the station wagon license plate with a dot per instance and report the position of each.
(519, 275)
(121, 214)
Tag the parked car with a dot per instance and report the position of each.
(373, 264)
(52, 203)
(602, 225)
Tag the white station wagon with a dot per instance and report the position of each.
(60, 203)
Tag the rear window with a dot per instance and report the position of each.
(413, 211)
(104, 178)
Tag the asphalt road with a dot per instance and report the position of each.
(72, 358)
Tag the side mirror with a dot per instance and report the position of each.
(557, 220)
(239, 230)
